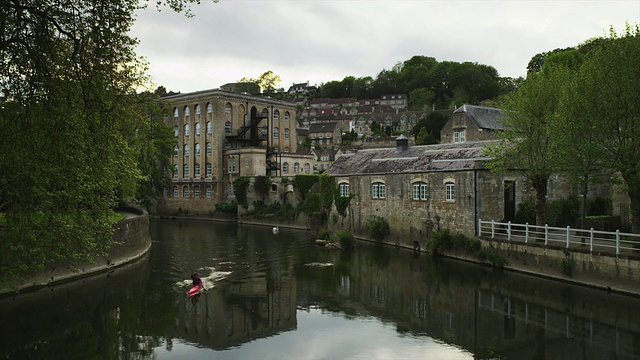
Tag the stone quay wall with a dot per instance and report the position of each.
(134, 240)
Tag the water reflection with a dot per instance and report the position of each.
(280, 297)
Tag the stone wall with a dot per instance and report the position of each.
(134, 240)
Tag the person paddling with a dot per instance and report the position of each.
(196, 279)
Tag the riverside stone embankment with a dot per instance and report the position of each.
(134, 240)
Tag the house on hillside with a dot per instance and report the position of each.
(472, 123)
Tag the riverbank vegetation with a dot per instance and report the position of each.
(78, 136)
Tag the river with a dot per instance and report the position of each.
(278, 296)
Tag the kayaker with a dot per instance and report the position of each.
(196, 279)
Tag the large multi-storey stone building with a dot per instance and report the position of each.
(222, 136)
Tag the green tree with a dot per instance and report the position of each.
(608, 87)
(71, 121)
(268, 82)
(525, 146)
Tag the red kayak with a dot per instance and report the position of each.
(195, 290)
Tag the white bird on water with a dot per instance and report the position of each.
(275, 230)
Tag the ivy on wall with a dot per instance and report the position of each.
(262, 185)
(304, 183)
(241, 183)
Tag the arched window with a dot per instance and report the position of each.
(208, 170)
(175, 192)
(296, 168)
(419, 191)
(286, 116)
(286, 133)
(265, 113)
(175, 131)
(185, 171)
(197, 129)
(207, 191)
(307, 168)
(165, 192)
(450, 191)
(196, 192)
(186, 129)
(227, 128)
(344, 189)
(276, 133)
(228, 109)
(175, 172)
(285, 168)
(276, 115)
(286, 149)
(185, 192)
(209, 128)
(186, 150)
(265, 131)
(196, 170)
(186, 112)
(175, 113)
(209, 108)
(197, 148)
(209, 148)
(198, 111)
(176, 151)
(378, 190)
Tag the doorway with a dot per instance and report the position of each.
(509, 200)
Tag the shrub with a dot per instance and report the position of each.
(438, 241)
(325, 234)
(377, 227)
(229, 208)
(599, 206)
(241, 184)
(526, 212)
(563, 212)
(346, 239)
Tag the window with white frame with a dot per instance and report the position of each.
(450, 191)
(286, 149)
(265, 131)
(344, 189)
(419, 190)
(196, 192)
(186, 129)
(209, 148)
(296, 168)
(186, 150)
(378, 190)
(227, 128)
(285, 168)
(185, 192)
(209, 128)
(196, 170)
(286, 116)
(185, 171)
(197, 129)
(175, 172)
(227, 109)
(208, 170)
(165, 192)
(459, 136)
(232, 189)
(286, 133)
(232, 164)
(197, 149)
(207, 192)
(175, 131)
(307, 169)
(276, 115)
(176, 151)
(186, 112)
(175, 112)
(175, 191)
(276, 133)
(209, 108)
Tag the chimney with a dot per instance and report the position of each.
(402, 143)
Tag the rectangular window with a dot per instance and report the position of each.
(232, 165)
(450, 191)
(459, 136)
(232, 189)
(419, 191)
(344, 190)
(378, 190)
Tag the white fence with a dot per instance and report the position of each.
(601, 241)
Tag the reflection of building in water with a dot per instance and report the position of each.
(486, 312)
(258, 305)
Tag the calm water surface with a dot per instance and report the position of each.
(281, 297)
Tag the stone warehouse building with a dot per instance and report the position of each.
(222, 136)
(419, 189)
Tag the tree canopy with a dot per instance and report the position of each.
(76, 132)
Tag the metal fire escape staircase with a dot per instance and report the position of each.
(250, 135)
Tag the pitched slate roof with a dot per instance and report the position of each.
(415, 159)
(322, 127)
(485, 117)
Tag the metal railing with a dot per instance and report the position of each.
(600, 241)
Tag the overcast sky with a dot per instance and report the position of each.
(324, 40)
